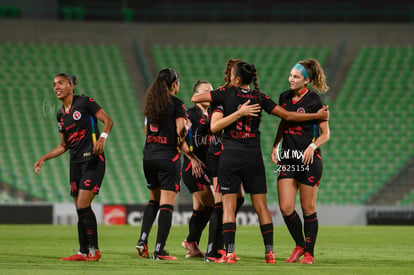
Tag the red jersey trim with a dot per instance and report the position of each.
(300, 100)
(177, 156)
(274, 108)
(98, 111)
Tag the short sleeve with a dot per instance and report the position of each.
(92, 106)
(179, 107)
(218, 96)
(268, 104)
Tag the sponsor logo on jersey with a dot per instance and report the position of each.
(77, 115)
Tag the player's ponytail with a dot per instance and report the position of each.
(227, 71)
(248, 74)
(157, 98)
(316, 74)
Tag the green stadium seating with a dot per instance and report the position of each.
(29, 116)
(371, 123)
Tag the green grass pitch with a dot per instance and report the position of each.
(36, 249)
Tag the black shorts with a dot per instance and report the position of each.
(306, 174)
(244, 167)
(87, 175)
(213, 163)
(193, 184)
(163, 173)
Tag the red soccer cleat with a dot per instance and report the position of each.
(297, 252)
(94, 255)
(270, 258)
(193, 250)
(77, 257)
(142, 250)
(307, 259)
(228, 259)
(163, 256)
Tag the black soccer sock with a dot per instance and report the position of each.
(198, 222)
(294, 225)
(164, 226)
(214, 229)
(83, 238)
(229, 236)
(88, 220)
(150, 213)
(240, 202)
(267, 234)
(219, 229)
(311, 231)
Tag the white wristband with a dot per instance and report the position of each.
(104, 135)
(313, 145)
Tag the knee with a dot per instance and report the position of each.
(308, 210)
(286, 210)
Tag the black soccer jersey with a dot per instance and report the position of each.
(79, 125)
(200, 132)
(245, 131)
(215, 142)
(298, 135)
(162, 139)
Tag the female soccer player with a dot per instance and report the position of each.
(215, 239)
(165, 130)
(201, 188)
(77, 120)
(241, 159)
(299, 161)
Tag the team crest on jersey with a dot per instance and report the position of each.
(301, 110)
(77, 115)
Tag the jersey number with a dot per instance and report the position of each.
(244, 123)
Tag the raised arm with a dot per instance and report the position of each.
(59, 150)
(204, 97)
(322, 114)
(218, 122)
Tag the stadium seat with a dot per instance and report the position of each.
(32, 131)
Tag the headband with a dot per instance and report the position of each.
(301, 69)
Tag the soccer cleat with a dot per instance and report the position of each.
(270, 258)
(94, 255)
(297, 252)
(211, 257)
(193, 250)
(163, 256)
(77, 257)
(228, 259)
(142, 250)
(222, 252)
(307, 259)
